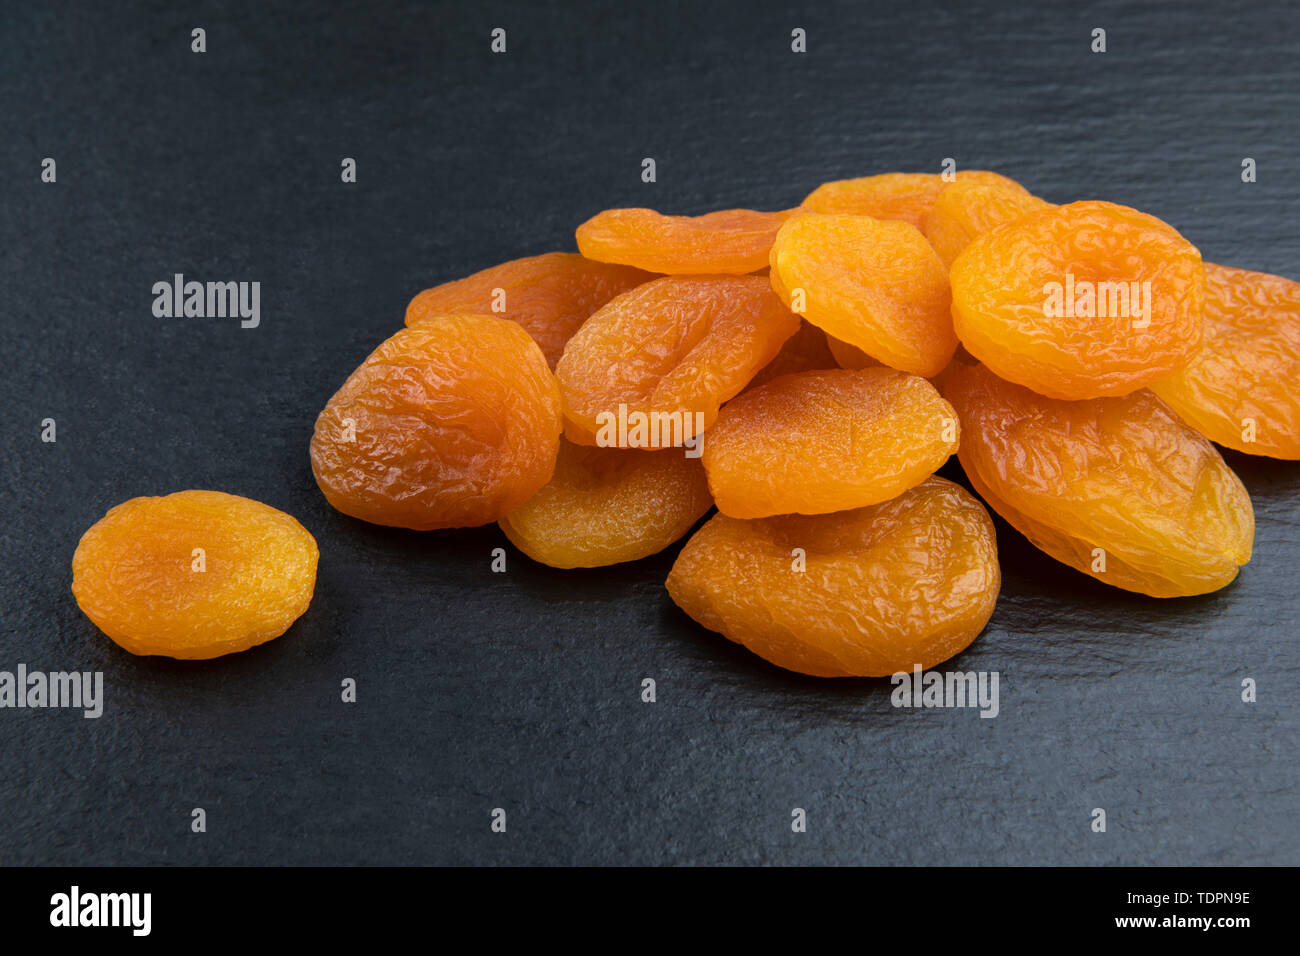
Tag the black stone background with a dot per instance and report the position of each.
(521, 690)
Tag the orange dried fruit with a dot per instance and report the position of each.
(550, 295)
(823, 441)
(730, 241)
(849, 356)
(804, 351)
(1239, 390)
(968, 209)
(608, 505)
(1080, 301)
(902, 196)
(1118, 488)
(872, 283)
(651, 367)
(863, 593)
(194, 575)
(453, 422)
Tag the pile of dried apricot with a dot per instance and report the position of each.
(805, 371)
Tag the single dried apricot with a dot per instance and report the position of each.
(1239, 390)
(872, 283)
(607, 505)
(1080, 301)
(651, 367)
(1117, 488)
(863, 593)
(194, 575)
(849, 356)
(968, 209)
(804, 351)
(451, 423)
(730, 241)
(549, 295)
(904, 196)
(822, 441)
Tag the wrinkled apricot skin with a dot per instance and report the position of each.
(1008, 283)
(679, 346)
(804, 351)
(907, 197)
(872, 283)
(966, 210)
(137, 575)
(730, 241)
(849, 356)
(456, 421)
(1248, 367)
(911, 581)
(550, 295)
(1123, 475)
(817, 442)
(608, 505)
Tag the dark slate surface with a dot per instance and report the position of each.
(521, 690)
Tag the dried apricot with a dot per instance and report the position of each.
(967, 209)
(194, 575)
(849, 356)
(730, 241)
(1239, 390)
(1117, 488)
(804, 351)
(863, 593)
(903, 196)
(872, 283)
(1080, 301)
(822, 441)
(651, 367)
(607, 505)
(451, 423)
(549, 295)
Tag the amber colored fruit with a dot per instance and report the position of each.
(863, 593)
(608, 505)
(549, 295)
(1047, 300)
(668, 353)
(872, 283)
(194, 575)
(965, 210)
(451, 423)
(1118, 488)
(903, 196)
(1240, 389)
(730, 241)
(816, 442)
(804, 351)
(849, 356)
(960, 359)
